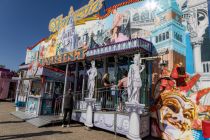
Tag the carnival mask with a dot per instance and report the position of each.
(176, 114)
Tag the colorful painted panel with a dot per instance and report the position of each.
(32, 105)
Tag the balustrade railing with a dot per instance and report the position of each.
(107, 99)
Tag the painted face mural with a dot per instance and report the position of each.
(178, 111)
(176, 114)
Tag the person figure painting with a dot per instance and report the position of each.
(117, 35)
(68, 107)
(52, 47)
(134, 80)
(92, 73)
(117, 19)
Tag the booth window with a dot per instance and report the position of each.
(36, 87)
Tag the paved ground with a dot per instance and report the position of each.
(13, 128)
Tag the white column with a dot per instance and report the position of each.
(83, 81)
(18, 89)
(89, 112)
(18, 92)
(134, 111)
(64, 90)
(197, 58)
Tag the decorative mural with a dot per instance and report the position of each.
(32, 106)
(179, 104)
(178, 111)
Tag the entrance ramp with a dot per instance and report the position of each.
(23, 115)
(41, 121)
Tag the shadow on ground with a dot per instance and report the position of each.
(11, 122)
(29, 135)
(73, 124)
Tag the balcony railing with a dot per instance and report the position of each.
(137, 43)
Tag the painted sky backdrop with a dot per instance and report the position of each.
(24, 22)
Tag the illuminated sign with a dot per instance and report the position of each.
(91, 8)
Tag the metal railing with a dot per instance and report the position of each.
(58, 105)
(106, 99)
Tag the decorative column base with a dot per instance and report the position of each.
(134, 121)
(89, 112)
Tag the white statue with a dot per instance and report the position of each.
(92, 73)
(134, 80)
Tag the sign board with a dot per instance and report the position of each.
(91, 8)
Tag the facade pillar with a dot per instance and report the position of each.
(83, 81)
(105, 65)
(18, 89)
(65, 84)
(18, 92)
(197, 57)
(116, 68)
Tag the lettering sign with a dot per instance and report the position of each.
(91, 8)
(78, 54)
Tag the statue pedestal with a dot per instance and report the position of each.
(89, 112)
(134, 120)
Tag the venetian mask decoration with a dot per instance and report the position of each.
(176, 114)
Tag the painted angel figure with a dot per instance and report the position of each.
(134, 80)
(92, 73)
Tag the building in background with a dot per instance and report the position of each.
(7, 85)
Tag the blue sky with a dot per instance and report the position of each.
(25, 22)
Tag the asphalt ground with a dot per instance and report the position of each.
(12, 128)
